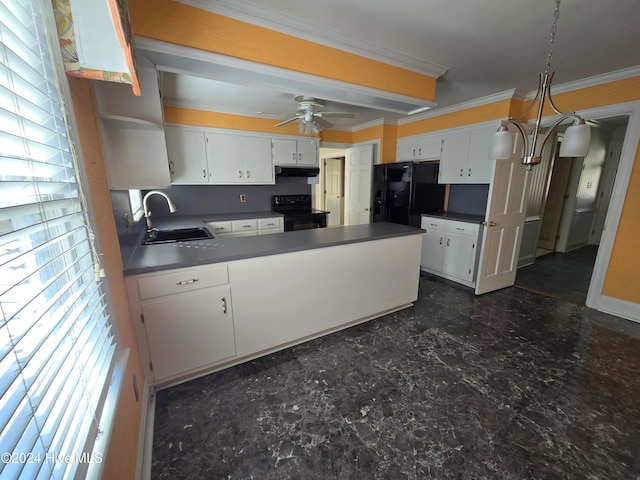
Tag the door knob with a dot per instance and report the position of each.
(490, 223)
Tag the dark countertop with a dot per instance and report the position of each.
(460, 217)
(155, 258)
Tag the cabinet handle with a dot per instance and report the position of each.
(239, 173)
(440, 240)
(420, 151)
(172, 167)
(248, 174)
(246, 226)
(293, 156)
(299, 157)
(224, 305)
(204, 173)
(188, 282)
(433, 224)
(461, 171)
(448, 239)
(469, 174)
(461, 229)
(414, 152)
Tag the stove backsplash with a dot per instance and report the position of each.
(209, 199)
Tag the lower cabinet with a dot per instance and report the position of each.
(246, 227)
(450, 249)
(185, 317)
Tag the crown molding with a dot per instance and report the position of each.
(268, 18)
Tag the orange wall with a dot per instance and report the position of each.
(121, 457)
(174, 22)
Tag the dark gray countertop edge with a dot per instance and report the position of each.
(460, 217)
(155, 258)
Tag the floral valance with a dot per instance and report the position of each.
(84, 55)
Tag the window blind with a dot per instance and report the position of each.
(57, 345)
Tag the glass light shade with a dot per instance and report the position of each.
(501, 145)
(575, 142)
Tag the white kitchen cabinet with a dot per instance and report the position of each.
(239, 159)
(301, 152)
(422, 147)
(187, 155)
(450, 249)
(132, 133)
(185, 320)
(465, 155)
(453, 160)
(246, 227)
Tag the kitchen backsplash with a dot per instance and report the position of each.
(470, 199)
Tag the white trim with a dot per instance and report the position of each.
(191, 61)
(108, 416)
(595, 298)
(289, 25)
(362, 126)
(145, 437)
(620, 308)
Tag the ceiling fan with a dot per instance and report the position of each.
(310, 115)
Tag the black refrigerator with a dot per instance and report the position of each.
(403, 191)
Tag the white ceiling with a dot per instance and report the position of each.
(485, 47)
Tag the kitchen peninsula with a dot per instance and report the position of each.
(210, 304)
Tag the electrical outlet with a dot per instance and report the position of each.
(243, 198)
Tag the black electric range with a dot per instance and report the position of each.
(297, 211)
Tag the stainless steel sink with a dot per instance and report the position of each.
(154, 236)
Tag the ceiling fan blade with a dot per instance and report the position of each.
(273, 113)
(287, 121)
(322, 123)
(340, 114)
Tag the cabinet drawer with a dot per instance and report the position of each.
(245, 225)
(429, 223)
(182, 280)
(219, 227)
(462, 228)
(270, 223)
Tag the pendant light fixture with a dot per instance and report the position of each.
(576, 138)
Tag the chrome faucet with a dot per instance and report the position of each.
(147, 213)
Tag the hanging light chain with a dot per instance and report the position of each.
(556, 14)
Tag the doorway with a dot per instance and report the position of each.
(572, 220)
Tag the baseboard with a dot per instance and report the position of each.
(145, 435)
(619, 308)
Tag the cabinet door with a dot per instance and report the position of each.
(308, 152)
(479, 165)
(453, 160)
(432, 249)
(459, 255)
(189, 331)
(284, 152)
(256, 160)
(430, 147)
(224, 155)
(187, 155)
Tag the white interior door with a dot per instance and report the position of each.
(333, 191)
(504, 220)
(358, 185)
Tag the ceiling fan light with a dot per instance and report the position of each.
(575, 142)
(501, 144)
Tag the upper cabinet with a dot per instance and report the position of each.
(303, 152)
(465, 155)
(463, 152)
(235, 159)
(421, 147)
(132, 132)
(199, 155)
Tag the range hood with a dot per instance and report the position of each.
(297, 171)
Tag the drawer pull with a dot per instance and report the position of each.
(224, 305)
(448, 239)
(218, 229)
(440, 240)
(461, 229)
(188, 282)
(247, 226)
(433, 224)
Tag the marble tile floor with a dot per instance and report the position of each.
(508, 385)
